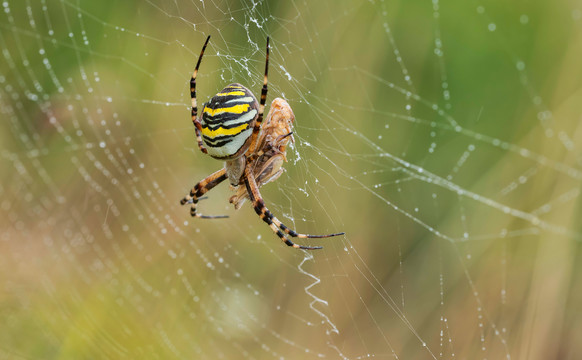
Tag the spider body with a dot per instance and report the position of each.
(227, 122)
(231, 128)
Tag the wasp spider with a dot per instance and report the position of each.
(230, 128)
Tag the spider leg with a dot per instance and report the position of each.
(200, 189)
(271, 220)
(195, 121)
(257, 127)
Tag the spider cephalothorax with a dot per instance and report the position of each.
(231, 128)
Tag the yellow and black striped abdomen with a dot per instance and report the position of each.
(228, 120)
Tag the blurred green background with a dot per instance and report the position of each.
(444, 138)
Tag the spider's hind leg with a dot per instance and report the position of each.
(277, 226)
(200, 189)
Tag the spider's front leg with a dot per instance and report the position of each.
(198, 130)
(195, 120)
(277, 226)
(200, 189)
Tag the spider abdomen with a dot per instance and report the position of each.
(228, 120)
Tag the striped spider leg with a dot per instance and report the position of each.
(195, 120)
(277, 226)
(200, 189)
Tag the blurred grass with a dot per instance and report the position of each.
(87, 271)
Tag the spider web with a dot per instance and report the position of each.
(442, 137)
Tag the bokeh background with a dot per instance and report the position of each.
(443, 137)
